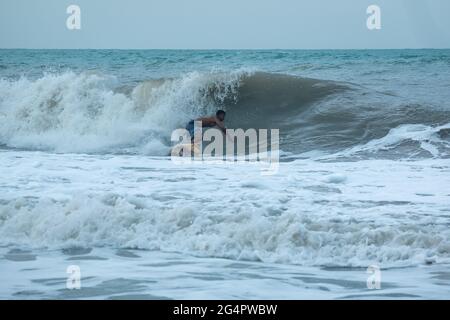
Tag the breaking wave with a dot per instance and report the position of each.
(95, 113)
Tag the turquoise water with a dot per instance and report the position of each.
(136, 65)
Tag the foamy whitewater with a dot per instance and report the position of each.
(85, 178)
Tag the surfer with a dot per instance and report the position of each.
(208, 122)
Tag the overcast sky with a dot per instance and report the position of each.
(227, 24)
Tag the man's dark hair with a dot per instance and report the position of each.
(219, 112)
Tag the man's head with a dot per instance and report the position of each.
(220, 115)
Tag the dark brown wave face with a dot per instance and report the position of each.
(270, 100)
(328, 116)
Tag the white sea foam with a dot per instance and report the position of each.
(72, 112)
(427, 138)
(386, 212)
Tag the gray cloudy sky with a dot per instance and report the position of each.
(208, 24)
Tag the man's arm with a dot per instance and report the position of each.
(211, 121)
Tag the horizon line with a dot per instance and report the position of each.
(229, 49)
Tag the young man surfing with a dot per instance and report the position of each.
(208, 122)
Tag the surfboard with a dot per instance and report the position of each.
(185, 149)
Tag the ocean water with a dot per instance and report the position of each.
(363, 181)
